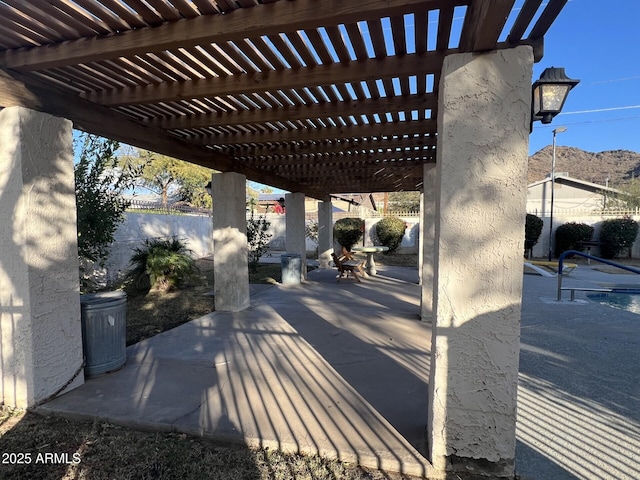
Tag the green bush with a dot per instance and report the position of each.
(348, 231)
(532, 229)
(257, 239)
(390, 231)
(99, 184)
(163, 264)
(570, 235)
(616, 235)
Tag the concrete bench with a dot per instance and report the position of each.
(573, 290)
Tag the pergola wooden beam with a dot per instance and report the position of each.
(321, 148)
(295, 112)
(311, 162)
(337, 73)
(377, 130)
(268, 19)
(483, 23)
(384, 181)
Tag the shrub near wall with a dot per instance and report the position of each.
(532, 231)
(348, 231)
(390, 231)
(616, 235)
(570, 235)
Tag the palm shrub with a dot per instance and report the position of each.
(390, 231)
(257, 239)
(616, 235)
(348, 231)
(161, 263)
(570, 236)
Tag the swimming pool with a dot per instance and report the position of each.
(621, 298)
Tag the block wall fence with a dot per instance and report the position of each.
(196, 231)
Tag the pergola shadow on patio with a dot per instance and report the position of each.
(339, 369)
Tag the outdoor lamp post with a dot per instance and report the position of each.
(549, 94)
(553, 184)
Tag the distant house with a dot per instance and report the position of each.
(570, 194)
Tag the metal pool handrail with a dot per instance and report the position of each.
(591, 257)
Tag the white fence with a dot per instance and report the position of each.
(195, 228)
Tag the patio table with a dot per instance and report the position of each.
(371, 264)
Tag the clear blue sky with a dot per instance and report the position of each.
(597, 42)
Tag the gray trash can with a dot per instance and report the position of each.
(291, 268)
(104, 331)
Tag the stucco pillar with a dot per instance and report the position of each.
(325, 233)
(295, 238)
(230, 258)
(427, 241)
(40, 328)
(421, 239)
(482, 151)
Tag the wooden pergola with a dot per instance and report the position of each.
(316, 97)
(310, 96)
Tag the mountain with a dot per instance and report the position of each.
(616, 165)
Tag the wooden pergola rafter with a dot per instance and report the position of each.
(270, 89)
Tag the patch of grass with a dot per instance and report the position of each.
(266, 273)
(102, 451)
(396, 259)
(155, 311)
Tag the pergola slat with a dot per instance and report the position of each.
(483, 23)
(397, 32)
(549, 14)
(302, 49)
(445, 20)
(149, 15)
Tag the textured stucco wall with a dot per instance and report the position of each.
(483, 120)
(295, 224)
(230, 259)
(195, 231)
(428, 210)
(325, 233)
(41, 334)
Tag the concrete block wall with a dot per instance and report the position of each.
(197, 230)
(541, 249)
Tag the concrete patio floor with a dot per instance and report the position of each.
(342, 369)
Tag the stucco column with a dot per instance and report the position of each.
(325, 233)
(482, 151)
(295, 236)
(427, 241)
(230, 259)
(40, 328)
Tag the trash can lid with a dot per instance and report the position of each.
(102, 297)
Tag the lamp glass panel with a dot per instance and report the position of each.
(553, 97)
(536, 100)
